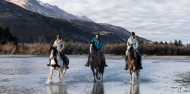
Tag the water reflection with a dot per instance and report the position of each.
(134, 89)
(57, 89)
(98, 88)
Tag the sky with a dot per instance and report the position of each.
(156, 20)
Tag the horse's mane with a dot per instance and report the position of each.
(94, 49)
(132, 58)
(132, 55)
(95, 56)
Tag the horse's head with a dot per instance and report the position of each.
(53, 50)
(130, 49)
(93, 47)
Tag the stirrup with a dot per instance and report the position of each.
(87, 65)
(125, 68)
(58, 66)
(67, 66)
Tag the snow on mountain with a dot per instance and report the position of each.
(84, 18)
(47, 10)
(22, 3)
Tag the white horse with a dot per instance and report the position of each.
(62, 69)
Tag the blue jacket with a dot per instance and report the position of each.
(98, 43)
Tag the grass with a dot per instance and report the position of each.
(77, 48)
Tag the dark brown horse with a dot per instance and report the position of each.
(97, 61)
(131, 58)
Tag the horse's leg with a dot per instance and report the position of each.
(137, 74)
(49, 89)
(101, 76)
(94, 76)
(93, 73)
(50, 75)
(62, 72)
(97, 74)
(130, 76)
(102, 73)
(132, 89)
(102, 70)
(133, 77)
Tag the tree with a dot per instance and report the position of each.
(166, 43)
(180, 43)
(155, 42)
(175, 43)
(161, 42)
(6, 36)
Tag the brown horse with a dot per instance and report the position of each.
(97, 61)
(131, 58)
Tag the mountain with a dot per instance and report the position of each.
(47, 10)
(55, 12)
(119, 33)
(30, 27)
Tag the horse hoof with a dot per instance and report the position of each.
(49, 82)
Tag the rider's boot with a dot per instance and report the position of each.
(140, 65)
(49, 62)
(105, 64)
(126, 67)
(87, 63)
(103, 60)
(139, 61)
(66, 63)
(63, 57)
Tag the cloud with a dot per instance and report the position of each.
(157, 20)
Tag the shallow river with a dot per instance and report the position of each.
(28, 75)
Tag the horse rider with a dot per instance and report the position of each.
(135, 41)
(96, 43)
(59, 44)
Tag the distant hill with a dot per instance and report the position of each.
(119, 34)
(31, 27)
